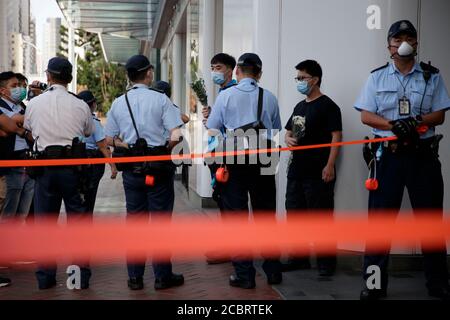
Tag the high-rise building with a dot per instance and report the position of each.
(5, 61)
(14, 35)
(33, 54)
(51, 39)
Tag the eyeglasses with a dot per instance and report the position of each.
(300, 79)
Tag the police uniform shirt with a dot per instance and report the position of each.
(56, 117)
(21, 143)
(97, 136)
(178, 111)
(154, 114)
(238, 106)
(385, 88)
(213, 141)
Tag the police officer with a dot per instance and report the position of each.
(20, 188)
(166, 88)
(142, 116)
(408, 100)
(96, 148)
(237, 108)
(58, 119)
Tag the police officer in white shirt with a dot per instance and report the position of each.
(58, 120)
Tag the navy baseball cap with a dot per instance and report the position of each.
(163, 86)
(60, 66)
(250, 60)
(87, 96)
(138, 63)
(402, 26)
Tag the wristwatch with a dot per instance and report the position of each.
(419, 118)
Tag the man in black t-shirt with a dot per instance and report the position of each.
(312, 173)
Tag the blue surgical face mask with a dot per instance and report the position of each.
(303, 87)
(218, 78)
(16, 94)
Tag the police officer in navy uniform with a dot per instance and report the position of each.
(144, 116)
(409, 100)
(235, 109)
(59, 121)
(96, 148)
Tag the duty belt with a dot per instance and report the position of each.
(94, 154)
(423, 145)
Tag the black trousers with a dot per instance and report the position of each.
(144, 201)
(52, 187)
(245, 181)
(421, 174)
(96, 173)
(308, 196)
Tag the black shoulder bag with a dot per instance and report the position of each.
(141, 149)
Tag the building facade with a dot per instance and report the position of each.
(51, 40)
(15, 34)
(347, 37)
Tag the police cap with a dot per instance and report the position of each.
(87, 96)
(250, 60)
(402, 26)
(60, 66)
(138, 63)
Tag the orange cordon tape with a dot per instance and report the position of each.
(192, 237)
(73, 162)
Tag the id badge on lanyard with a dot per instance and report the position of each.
(404, 106)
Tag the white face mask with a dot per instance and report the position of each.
(405, 50)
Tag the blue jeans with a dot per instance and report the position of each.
(52, 187)
(19, 194)
(142, 200)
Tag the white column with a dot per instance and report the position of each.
(267, 46)
(207, 45)
(164, 69)
(177, 69)
(71, 57)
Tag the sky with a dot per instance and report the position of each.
(41, 10)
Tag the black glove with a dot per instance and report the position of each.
(405, 129)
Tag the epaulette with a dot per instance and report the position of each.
(380, 68)
(156, 90)
(76, 96)
(427, 67)
(149, 88)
